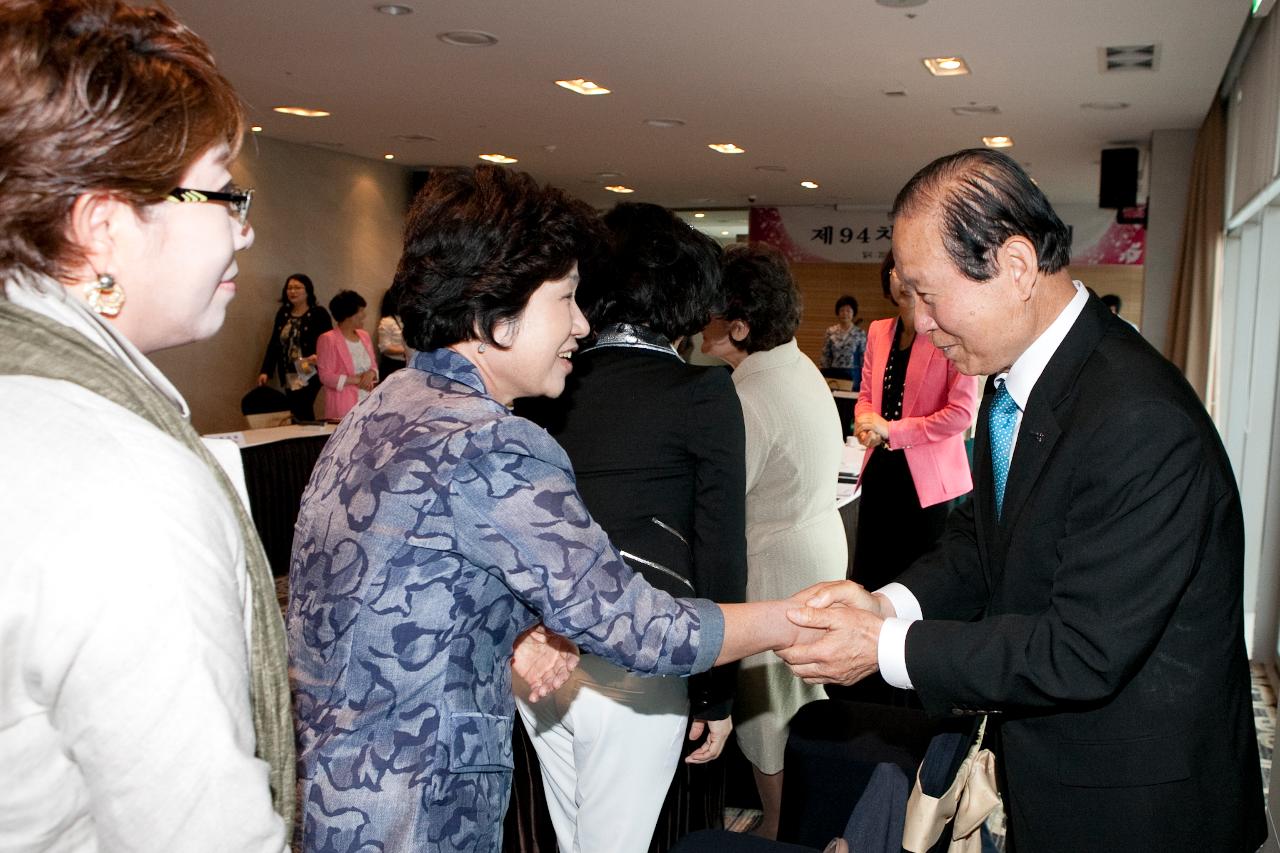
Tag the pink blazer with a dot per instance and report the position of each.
(333, 361)
(937, 407)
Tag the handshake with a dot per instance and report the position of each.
(828, 634)
(838, 633)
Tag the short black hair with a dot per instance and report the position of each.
(656, 272)
(345, 304)
(306, 282)
(759, 290)
(983, 198)
(847, 300)
(886, 276)
(477, 243)
(1112, 301)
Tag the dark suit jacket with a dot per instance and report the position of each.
(651, 437)
(1101, 617)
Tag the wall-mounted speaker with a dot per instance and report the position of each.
(1118, 178)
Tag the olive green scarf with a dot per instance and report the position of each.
(37, 346)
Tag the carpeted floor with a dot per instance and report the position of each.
(1264, 716)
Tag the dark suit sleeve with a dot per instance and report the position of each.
(717, 441)
(949, 582)
(1119, 547)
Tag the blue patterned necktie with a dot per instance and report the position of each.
(1003, 418)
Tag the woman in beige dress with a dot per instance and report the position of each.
(794, 533)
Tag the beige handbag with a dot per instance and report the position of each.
(967, 803)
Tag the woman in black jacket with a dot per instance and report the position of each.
(657, 447)
(291, 350)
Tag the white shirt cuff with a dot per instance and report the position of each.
(904, 601)
(342, 382)
(891, 652)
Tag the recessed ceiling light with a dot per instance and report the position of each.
(257, 128)
(388, 156)
(1104, 105)
(499, 158)
(468, 38)
(394, 9)
(726, 148)
(664, 122)
(771, 168)
(724, 233)
(998, 141)
(305, 112)
(945, 66)
(582, 87)
(619, 188)
(699, 216)
(809, 185)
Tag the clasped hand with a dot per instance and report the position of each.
(870, 429)
(849, 618)
(544, 660)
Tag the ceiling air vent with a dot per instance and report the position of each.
(1132, 57)
(976, 110)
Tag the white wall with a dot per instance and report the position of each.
(335, 217)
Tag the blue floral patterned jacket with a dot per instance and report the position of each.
(436, 527)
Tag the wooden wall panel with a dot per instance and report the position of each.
(822, 284)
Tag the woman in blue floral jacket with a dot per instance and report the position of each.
(438, 527)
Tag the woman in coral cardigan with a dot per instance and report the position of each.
(913, 408)
(347, 365)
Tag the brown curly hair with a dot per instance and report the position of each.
(98, 96)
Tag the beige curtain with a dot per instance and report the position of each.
(1191, 313)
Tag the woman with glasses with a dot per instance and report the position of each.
(291, 351)
(143, 699)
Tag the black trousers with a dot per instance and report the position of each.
(893, 529)
(302, 403)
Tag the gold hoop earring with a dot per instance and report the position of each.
(105, 296)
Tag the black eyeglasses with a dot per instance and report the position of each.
(238, 199)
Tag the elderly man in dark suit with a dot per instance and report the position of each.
(1089, 597)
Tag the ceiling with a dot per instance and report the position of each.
(799, 84)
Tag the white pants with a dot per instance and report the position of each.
(608, 742)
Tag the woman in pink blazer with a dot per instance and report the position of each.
(344, 357)
(913, 408)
